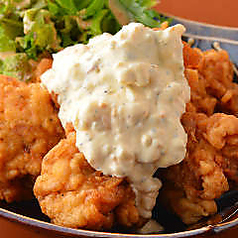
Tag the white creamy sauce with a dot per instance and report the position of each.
(124, 95)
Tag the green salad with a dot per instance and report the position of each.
(31, 28)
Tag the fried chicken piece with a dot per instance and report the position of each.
(29, 128)
(43, 65)
(222, 134)
(200, 101)
(210, 76)
(217, 71)
(74, 195)
(209, 167)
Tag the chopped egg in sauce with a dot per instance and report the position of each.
(124, 95)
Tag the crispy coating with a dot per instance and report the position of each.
(73, 194)
(41, 66)
(209, 168)
(210, 77)
(29, 128)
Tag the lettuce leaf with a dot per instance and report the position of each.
(17, 66)
(68, 5)
(40, 33)
(11, 26)
(147, 3)
(50, 25)
(95, 7)
(6, 43)
(140, 12)
(32, 27)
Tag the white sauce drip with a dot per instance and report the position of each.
(124, 95)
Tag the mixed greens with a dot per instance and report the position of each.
(29, 28)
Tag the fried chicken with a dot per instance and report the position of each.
(73, 194)
(29, 128)
(41, 66)
(209, 168)
(210, 77)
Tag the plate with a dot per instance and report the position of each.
(27, 217)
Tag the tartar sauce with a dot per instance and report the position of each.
(124, 95)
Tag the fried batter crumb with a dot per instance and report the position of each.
(210, 76)
(29, 128)
(208, 169)
(74, 195)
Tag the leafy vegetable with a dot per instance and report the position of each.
(68, 6)
(140, 12)
(94, 7)
(33, 27)
(40, 33)
(10, 26)
(6, 43)
(17, 66)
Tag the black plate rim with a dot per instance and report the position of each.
(21, 219)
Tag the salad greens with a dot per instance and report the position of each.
(17, 66)
(32, 27)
